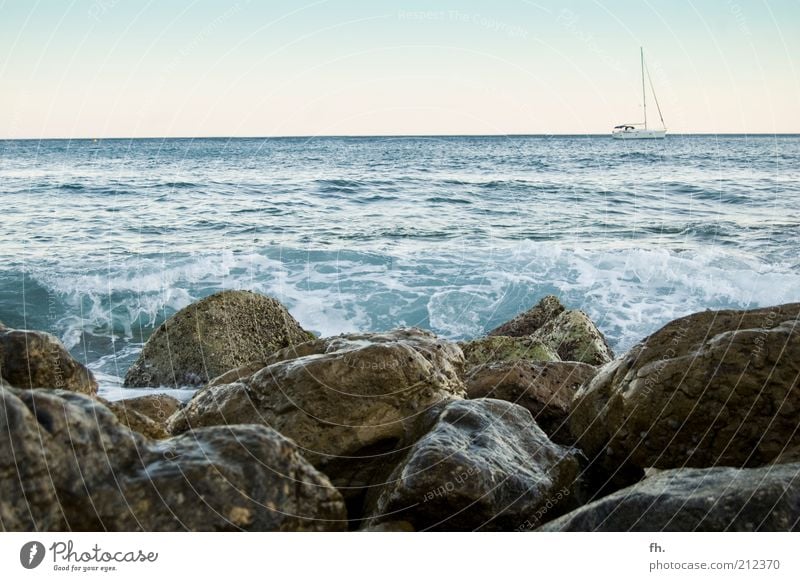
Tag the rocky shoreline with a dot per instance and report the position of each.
(535, 427)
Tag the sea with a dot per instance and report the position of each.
(101, 240)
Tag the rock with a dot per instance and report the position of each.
(713, 388)
(574, 336)
(691, 499)
(350, 403)
(544, 389)
(238, 374)
(136, 421)
(31, 359)
(394, 526)
(527, 323)
(248, 369)
(216, 334)
(147, 414)
(66, 463)
(484, 465)
(487, 350)
(158, 406)
(788, 456)
(570, 333)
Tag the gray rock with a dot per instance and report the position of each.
(713, 388)
(484, 465)
(34, 359)
(691, 499)
(212, 336)
(544, 389)
(66, 463)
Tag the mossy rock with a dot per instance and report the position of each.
(501, 349)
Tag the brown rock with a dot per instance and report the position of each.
(574, 336)
(136, 421)
(66, 463)
(158, 406)
(713, 388)
(527, 323)
(350, 403)
(212, 336)
(31, 359)
(544, 389)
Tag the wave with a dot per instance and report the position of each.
(629, 291)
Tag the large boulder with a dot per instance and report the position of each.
(34, 359)
(527, 323)
(248, 369)
(713, 388)
(483, 465)
(691, 499)
(350, 402)
(544, 389)
(492, 350)
(66, 463)
(214, 335)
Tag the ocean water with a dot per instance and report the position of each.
(101, 240)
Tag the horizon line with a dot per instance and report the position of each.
(391, 135)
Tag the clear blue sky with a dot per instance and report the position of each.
(102, 68)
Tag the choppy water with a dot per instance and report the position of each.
(100, 241)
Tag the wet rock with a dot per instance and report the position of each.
(31, 359)
(350, 402)
(525, 324)
(691, 499)
(66, 463)
(492, 350)
(212, 336)
(713, 388)
(484, 465)
(574, 336)
(544, 389)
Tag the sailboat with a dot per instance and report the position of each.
(641, 130)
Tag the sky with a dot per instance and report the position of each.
(125, 68)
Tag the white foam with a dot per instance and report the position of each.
(629, 291)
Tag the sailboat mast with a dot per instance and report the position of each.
(644, 95)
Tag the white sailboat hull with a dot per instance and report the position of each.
(640, 130)
(639, 134)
